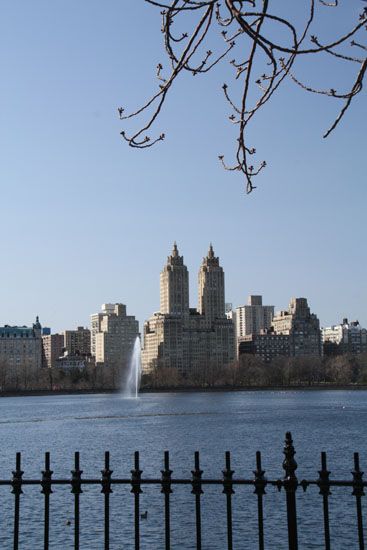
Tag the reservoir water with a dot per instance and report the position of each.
(212, 423)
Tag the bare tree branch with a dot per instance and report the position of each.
(247, 27)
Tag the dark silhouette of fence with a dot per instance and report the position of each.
(197, 482)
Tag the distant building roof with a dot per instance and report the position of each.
(16, 331)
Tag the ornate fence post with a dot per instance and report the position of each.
(324, 486)
(46, 485)
(197, 491)
(136, 490)
(106, 490)
(17, 491)
(290, 484)
(76, 489)
(358, 492)
(260, 484)
(228, 491)
(166, 490)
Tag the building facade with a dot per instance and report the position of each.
(21, 346)
(174, 286)
(348, 337)
(113, 334)
(77, 342)
(231, 314)
(67, 361)
(253, 318)
(185, 338)
(52, 348)
(293, 333)
(211, 303)
(267, 345)
(302, 326)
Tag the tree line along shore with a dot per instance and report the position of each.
(249, 372)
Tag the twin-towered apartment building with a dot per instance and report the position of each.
(178, 336)
(187, 338)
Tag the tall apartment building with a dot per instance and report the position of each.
(302, 326)
(174, 285)
(77, 342)
(348, 337)
(211, 302)
(52, 347)
(182, 337)
(253, 318)
(21, 346)
(113, 334)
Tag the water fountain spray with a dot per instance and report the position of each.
(134, 372)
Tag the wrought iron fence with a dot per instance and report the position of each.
(289, 482)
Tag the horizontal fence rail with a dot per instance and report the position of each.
(228, 482)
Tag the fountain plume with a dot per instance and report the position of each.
(133, 378)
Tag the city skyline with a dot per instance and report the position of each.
(193, 302)
(87, 220)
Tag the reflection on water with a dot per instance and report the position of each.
(212, 423)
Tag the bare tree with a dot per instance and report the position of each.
(3, 375)
(266, 45)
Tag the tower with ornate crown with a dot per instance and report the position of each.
(174, 285)
(211, 288)
(184, 338)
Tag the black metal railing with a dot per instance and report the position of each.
(289, 482)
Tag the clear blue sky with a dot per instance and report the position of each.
(85, 219)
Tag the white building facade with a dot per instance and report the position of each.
(253, 318)
(113, 334)
(348, 337)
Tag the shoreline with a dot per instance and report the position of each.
(300, 387)
(180, 389)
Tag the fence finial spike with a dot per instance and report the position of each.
(289, 463)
